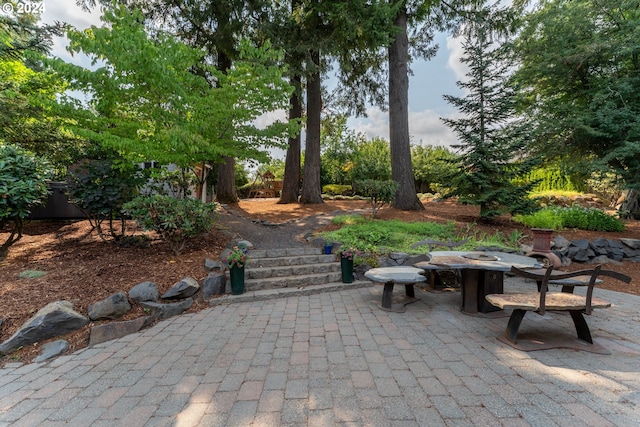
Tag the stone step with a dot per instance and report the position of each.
(292, 281)
(252, 272)
(288, 252)
(289, 260)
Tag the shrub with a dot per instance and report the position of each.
(589, 219)
(337, 189)
(99, 188)
(22, 187)
(175, 220)
(379, 193)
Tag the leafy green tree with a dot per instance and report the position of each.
(23, 186)
(371, 160)
(580, 81)
(154, 99)
(432, 167)
(26, 90)
(491, 144)
(338, 144)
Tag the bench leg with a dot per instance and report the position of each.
(387, 295)
(409, 290)
(514, 324)
(581, 326)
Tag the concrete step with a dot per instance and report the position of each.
(262, 262)
(289, 252)
(252, 272)
(301, 280)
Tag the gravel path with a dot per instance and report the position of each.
(267, 235)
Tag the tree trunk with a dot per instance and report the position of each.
(401, 171)
(311, 189)
(291, 181)
(630, 206)
(226, 187)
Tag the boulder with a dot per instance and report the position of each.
(112, 330)
(164, 311)
(211, 265)
(112, 307)
(560, 242)
(51, 350)
(183, 289)
(213, 284)
(414, 259)
(615, 253)
(145, 291)
(54, 319)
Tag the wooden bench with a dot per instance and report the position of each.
(434, 280)
(565, 300)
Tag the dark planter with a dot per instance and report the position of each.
(236, 275)
(347, 270)
(328, 249)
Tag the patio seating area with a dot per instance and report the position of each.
(336, 358)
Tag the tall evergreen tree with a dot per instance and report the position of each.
(491, 143)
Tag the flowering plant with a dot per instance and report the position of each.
(237, 257)
(349, 253)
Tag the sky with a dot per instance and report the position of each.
(429, 82)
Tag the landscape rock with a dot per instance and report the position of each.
(112, 307)
(51, 350)
(580, 243)
(145, 291)
(245, 243)
(54, 319)
(615, 254)
(602, 259)
(183, 289)
(164, 311)
(112, 330)
(213, 284)
(632, 243)
(560, 242)
(211, 265)
(414, 259)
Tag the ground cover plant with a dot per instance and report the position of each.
(381, 236)
(579, 217)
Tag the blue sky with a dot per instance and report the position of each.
(430, 81)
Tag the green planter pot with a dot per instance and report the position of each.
(347, 270)
(236, 274)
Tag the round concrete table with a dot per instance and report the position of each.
(389, 276)
(482, 273)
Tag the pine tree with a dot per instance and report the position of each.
(491, 142)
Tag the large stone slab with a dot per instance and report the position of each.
(112, 330)
(53, 320)
(164, 311)
(51, 350)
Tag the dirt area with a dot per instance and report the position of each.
(83, 269)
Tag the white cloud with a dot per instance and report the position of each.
(425, 127)
(456, 52)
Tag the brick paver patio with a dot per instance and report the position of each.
(336, 359)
